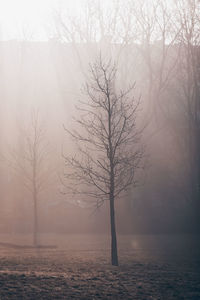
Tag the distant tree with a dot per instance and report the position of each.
(157, 33)
(108, 143)
(106, 28)
(189, 94)
(29, 160)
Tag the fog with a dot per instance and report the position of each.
(46, 74)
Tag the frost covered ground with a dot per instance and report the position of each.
(151, 267)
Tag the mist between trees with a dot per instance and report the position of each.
(154, 45)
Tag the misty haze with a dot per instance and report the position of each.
(99, 149)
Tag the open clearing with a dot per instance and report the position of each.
(151, 267)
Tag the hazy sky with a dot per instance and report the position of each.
(30, 19)
(33, 19)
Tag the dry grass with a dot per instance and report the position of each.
(79, 268)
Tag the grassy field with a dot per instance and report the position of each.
(151, 267)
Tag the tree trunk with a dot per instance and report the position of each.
(35, 221)
(114, 257)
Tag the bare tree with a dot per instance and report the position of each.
(189, 79)
(109, 152)
(104, 27)
(157, 34)
(28, 160)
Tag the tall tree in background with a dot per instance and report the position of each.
(189, 63)
(109, 152)
(30, 163)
